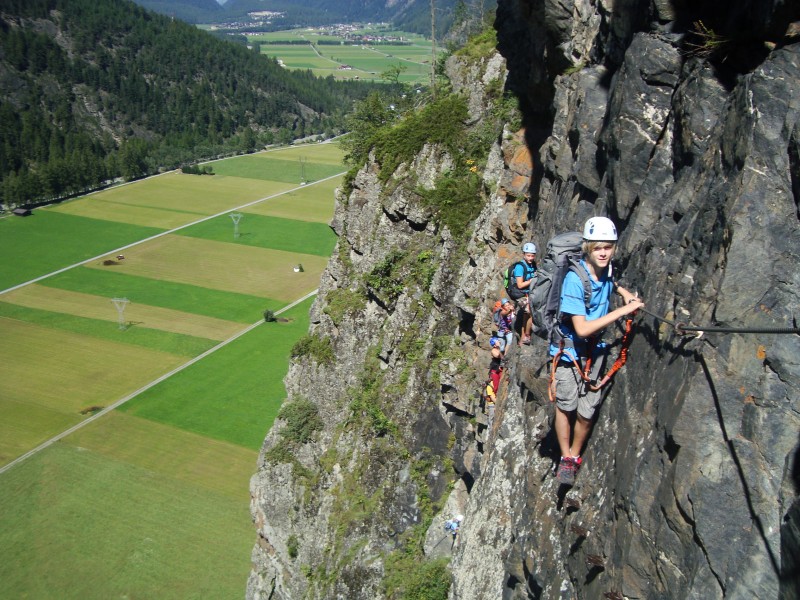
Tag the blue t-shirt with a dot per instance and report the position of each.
(572, 303)
(524, 270)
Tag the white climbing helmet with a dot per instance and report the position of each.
(600, 229)
(459, 518)
(529, 247)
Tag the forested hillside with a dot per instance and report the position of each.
(191, 11)
(98, 89)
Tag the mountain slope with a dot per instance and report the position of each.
(101, 88)
(191, 11)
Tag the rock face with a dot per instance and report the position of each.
(691, 478)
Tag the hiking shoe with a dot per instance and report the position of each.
(567, 469)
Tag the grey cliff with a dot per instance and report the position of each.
(690, 485)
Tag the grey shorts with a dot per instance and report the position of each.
(571, 391)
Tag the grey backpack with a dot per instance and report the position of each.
(563, 255)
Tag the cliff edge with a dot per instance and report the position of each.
(682, 124)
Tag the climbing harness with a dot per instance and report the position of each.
(621, 359)
(681, 328)
(585, 371)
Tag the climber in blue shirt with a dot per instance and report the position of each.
(575, 401)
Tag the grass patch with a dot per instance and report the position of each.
(457, 198)
(264, 166)
(367, 399)
(220, 304)
(412, 578)
(480, 45)
(193, 459)
(48, 241)
(174, 343)
(313, 202)
(136, 316)
(397, 272)
(317, 348)
(302, 421)
(344, 302)
(94, 527)
(288, 235)
(223, 266)
(441, 122)
(35, 372)
(172, 199)
(234, 394)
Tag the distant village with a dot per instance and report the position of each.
(346, 31)
(257, 19)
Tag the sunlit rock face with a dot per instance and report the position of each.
(689, 486)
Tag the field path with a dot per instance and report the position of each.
(144, 388)
(164, 233)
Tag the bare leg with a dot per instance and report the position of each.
(582, 429)
(563, 431)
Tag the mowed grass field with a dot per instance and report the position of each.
(36, 245)
(78, 523)
(223, 266)
(50, 375)
(315, 199)
(173, 199)
(246, 391)
(151, 500)
(111, 283)
(368, 61)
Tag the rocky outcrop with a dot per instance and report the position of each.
(690, 485)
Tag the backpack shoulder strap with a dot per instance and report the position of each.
(579, 270)
(527, 270)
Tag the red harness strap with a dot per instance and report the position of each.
(621, 359)
(584, 372)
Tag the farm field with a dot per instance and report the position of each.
(245, 400)
(78, 523)
(181, 199)
(155, 339)
(313, 199)
(37, 245)
(137, 315)
(221, 304)
(288, 235)
(47, 375)
(64, 234)
(223, 266)
(151, 499)
(288, 170)
(367, 61)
